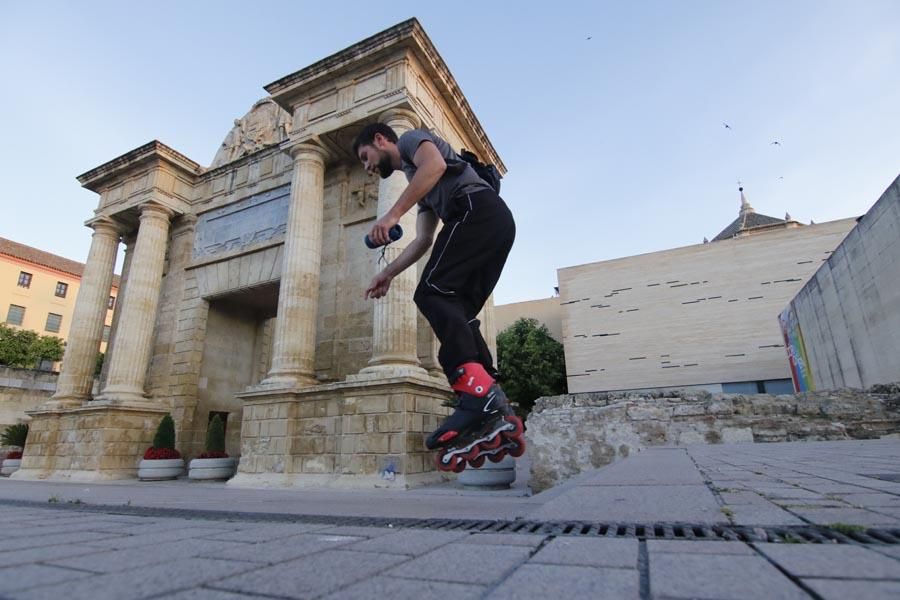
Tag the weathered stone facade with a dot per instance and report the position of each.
(243, 289)
(570, 433)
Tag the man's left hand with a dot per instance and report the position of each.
(380, 232)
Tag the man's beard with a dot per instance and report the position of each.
(384, 166)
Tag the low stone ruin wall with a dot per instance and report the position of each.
(21, 390)
(571, 433)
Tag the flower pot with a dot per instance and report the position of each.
(10, 466)
(160, 469)
(211, 468)
(490, 476)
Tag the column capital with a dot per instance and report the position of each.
(400, 117)
(107, 226)
(152, 209)
(305, 151)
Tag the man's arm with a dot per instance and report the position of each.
(426, 225)
(430, 166)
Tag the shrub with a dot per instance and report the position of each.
(163, 442)
(14, 435)
(215, 439)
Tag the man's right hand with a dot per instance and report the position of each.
(379, 287)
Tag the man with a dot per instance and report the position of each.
(464, 266)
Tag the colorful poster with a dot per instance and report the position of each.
(796, 349)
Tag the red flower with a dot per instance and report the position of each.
(161, 454)
(213, 455)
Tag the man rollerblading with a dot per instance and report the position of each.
(464, 266)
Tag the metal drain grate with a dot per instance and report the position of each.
(793, 534)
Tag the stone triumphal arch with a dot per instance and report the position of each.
(243, 289)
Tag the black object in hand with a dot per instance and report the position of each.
(395, 233)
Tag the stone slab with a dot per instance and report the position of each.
(679, 503)
(138, 583)
(838, 589)
(589, 552)
(410, 542)
(468, 564)
(22, 577)
(850, 516)
(720, 577)
(311, 576)
(285, 549)
(538, 581)
(838, 560)
(694, 547)
(396, 588)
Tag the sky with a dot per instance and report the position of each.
(610, 116)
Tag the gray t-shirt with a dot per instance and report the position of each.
(459, 178)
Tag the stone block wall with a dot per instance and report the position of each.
(22, 390)
(571, 433)
(349, 434)
(89, 443)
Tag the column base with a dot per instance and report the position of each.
(87, 443)
(286, 382)
(55, 403)
(393, 370)
(368, 431)
(121, 395)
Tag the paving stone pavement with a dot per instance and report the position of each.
(135, 540)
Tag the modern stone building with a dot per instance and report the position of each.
(547, 311)
(702, 316)
(842, 327)
(243, 290)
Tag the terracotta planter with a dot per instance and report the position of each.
(10, 466)
(211, 468)
(160, 469)
(490, 476)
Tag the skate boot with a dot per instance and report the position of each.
(483, 426)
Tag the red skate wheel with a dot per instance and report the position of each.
(449, 466)
(477, 463)
(518, 431)
(460, 466)
(475, 451)
(495, 458)
(491, 444)
(518, 449)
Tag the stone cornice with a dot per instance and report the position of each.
(139, 157)
(409, 34)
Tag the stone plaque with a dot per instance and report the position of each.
(244, 223)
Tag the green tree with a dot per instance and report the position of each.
(165, 434)
(26, 349)
(531, 363)
(14, 435)
(215, 435)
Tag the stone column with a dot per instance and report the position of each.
(294, 346)
(394, 335)
(80, 360)
(134, 336)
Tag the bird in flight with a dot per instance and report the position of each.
(589, 37)
(775, 143)
(727, 126)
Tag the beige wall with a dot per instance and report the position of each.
(40, 298)
(689, 316)
(849, 312)
(546, 311)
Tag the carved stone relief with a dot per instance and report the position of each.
(265, 124)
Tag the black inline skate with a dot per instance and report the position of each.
(483, 426)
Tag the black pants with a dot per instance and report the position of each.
(465, 264)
